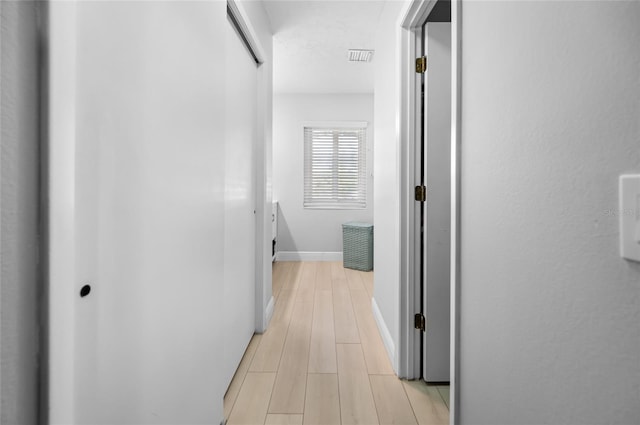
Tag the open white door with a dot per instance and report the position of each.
(240, 183)
(437, 209)
(136, 166)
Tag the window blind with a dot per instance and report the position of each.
(335, 174)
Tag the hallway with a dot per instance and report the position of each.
(322, 360)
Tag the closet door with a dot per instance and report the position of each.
(136, 212)
(240, 217)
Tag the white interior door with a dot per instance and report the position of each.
(437, 211)
(240, 195)
(146, 198)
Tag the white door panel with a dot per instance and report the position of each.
(437, 134)
(239, 240)
(149, 214)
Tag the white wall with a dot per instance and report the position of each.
(550, 118)
(386, 212)
(20, 198)
(312, 230)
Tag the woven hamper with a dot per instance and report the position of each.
(357, 246)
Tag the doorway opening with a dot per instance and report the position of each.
(434, 163)
(429, 168)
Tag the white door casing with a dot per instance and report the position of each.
(411, 21)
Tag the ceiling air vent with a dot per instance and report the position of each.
(358, 55)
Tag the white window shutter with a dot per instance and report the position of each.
(335, 168)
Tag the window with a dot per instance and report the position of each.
(335, 166)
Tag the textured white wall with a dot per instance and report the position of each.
(313, 230)
(386, 211)
(19, 196)
(550, 314)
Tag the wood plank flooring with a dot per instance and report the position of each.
(322, 361)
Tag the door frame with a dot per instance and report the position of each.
(410, 23)
(59, 205)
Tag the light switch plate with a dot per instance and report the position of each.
(630, 217)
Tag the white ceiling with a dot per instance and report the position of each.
(311, 40)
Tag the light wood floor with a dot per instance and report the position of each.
(322, 360)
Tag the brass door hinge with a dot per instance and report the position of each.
(421, 64)
(421, 193)
(420, 322)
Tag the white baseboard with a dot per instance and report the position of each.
(308, 256)
(385, 334)
(268, 313)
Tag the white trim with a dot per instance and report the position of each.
(60, 116)
(385, 334)
(410, 24)
(308, 256)
(456, 181)
(269, 311)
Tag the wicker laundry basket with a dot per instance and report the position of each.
(357, 246)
